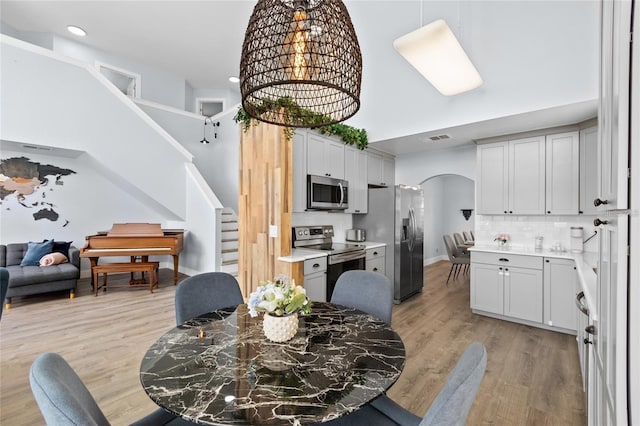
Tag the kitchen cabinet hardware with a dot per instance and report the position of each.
(580, 305)
(547, 260)
(587, 341)
(548, 212)
(591, 329)
(597, 202)
(598, 222)
(375, 269)
(375, 253)
(316, 265)
(503, 259)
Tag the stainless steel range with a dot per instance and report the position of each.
(341, 257)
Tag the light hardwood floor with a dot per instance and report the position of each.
(532, 375)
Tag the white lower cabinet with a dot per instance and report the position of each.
(523, 293)
(375, 260)
(507, 285)
(315, 279)
(560, 280)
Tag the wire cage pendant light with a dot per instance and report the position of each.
(301, 64)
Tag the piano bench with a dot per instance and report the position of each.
(106, 268)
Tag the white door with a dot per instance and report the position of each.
(492, 189)
(527, 176)
(562, 171)
(487, 287)
(523, 293)
(560, 281)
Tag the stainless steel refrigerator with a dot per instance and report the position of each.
(395, 217)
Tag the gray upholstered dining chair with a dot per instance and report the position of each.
(367, 291)
(450, 408)
(64, 400)
(458, 259)
(473, 235)
(457, 237)
(467, 236)
(4, 286)
(204, 293)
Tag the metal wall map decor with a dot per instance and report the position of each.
(301, 64)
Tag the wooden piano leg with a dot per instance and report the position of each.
(94, 262)
(175, 269)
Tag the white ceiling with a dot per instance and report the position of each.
(201, 42)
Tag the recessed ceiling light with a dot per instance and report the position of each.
(234, 79)
(76, 30)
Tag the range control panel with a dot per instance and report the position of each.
(312, 232)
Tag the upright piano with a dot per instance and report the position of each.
(135, 240)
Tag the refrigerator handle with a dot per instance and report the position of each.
(412, 228)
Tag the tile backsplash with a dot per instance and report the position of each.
(524, 229)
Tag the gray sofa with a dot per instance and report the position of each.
(28, 280)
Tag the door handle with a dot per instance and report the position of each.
(580, 305)
(591, 329)
(598, 222)
(597, 202)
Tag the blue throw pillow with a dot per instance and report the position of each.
(61, 247)
(35, 251)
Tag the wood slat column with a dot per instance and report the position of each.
(266, 195)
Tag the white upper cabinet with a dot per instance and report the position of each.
(492, 179)
(588, 170)
(562, 170)
(388, 171)
(380, 169)
(527, 176)
(355, 172)
(325, 157)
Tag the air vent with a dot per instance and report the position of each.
(439, 137)
(42, 148)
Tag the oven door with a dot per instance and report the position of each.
(325, 193)
(336, 266)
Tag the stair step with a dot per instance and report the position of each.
(229, 226)
(227, 256)
(230, 269)
(230, 245)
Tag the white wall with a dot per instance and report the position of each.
(532, 55)
(86, 113)
(218, 161)
(445, 196)
(157, 85)
(87, 202)
(414, 169)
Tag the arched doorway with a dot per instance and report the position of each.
(445, 196)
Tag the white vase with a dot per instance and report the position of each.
(280, 329)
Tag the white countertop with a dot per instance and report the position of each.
(585, 262)
(301, 254)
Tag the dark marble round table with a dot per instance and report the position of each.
(220, 369)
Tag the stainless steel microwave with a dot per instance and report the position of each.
(325, 193)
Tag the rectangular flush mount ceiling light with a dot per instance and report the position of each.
(435, 52)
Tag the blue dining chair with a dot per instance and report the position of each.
(65, 401)
(450, 408)
(367, 291)
(204, 293)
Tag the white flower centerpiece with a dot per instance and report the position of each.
(502, 239)
(280, 300)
